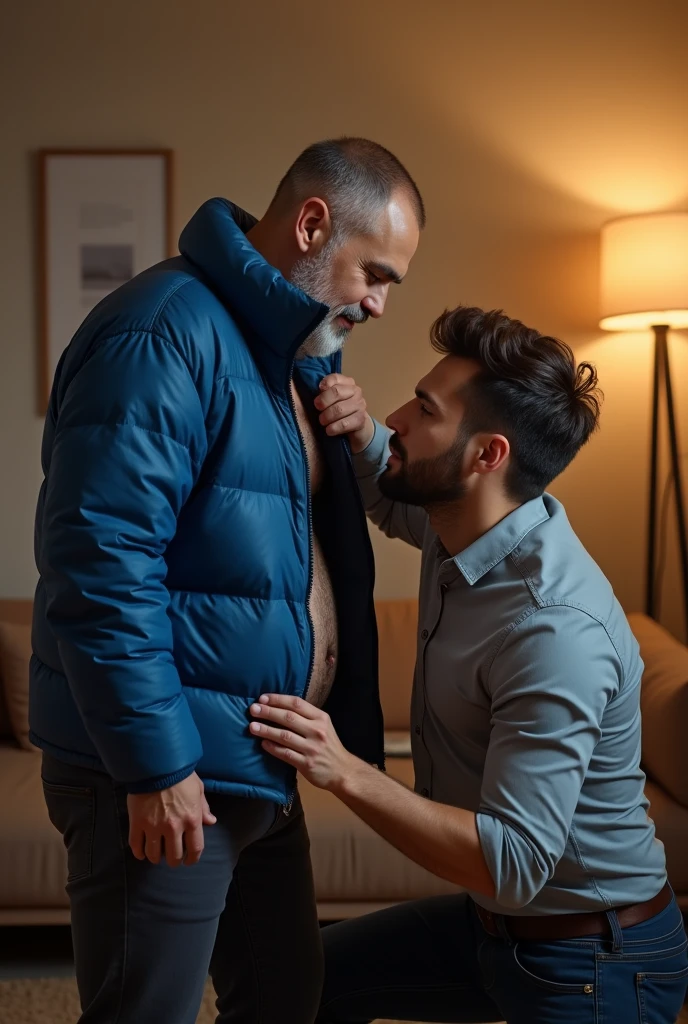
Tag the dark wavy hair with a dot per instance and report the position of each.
(529, 388)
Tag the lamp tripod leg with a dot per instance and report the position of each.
(650, 602)
(677, 474)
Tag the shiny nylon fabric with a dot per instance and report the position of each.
(172, 531)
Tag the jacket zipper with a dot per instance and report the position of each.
(288, 805)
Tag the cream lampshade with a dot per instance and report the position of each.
(644, 284)
(644, 272)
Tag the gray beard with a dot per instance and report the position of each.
(314, 277)
(324, 341)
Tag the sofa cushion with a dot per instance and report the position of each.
(33, 863)
(15, 654)
(664, 706)
(11, 611)
(671, 823)
(397, 743)
(351, 862)
(397, 625)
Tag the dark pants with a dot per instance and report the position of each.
(145, 936)
(431, 960)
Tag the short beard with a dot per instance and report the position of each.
(313, 275)
(427, 482)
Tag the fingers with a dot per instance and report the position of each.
(341, 405)
(284, 754)
(333, 379)
(194, 843)
(168, 825)
(177, 845)
(290, 722)
(281, 737)
(208, 816)
(153, 848)
(349, 414)
(136, 841)
(337, 393)
(287, 702)
(173, 845)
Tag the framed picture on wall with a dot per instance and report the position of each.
(104, 216)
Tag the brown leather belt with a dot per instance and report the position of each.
(572, 926)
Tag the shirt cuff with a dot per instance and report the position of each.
(372, 459)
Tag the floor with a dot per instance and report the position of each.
(47, 952)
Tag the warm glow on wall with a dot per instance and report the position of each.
(593, 106)
(644, 272)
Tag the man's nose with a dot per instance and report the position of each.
(374, 304)
(395, 422)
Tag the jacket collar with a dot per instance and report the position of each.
(278, 314)
(499, 542)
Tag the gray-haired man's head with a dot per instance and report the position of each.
(354, 215)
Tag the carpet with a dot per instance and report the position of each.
(55, 1001)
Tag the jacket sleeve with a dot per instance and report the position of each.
(129, 442)
(549, 686)
(394, 518)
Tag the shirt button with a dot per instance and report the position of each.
(417, 730)
(424, 792)
(424, 635)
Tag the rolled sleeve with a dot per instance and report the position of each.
(393, 518)
(549, 686)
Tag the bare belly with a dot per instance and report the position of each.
(321, 606)
(324, 618)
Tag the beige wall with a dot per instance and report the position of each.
(526, 124)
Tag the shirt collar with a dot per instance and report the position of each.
(499, 542)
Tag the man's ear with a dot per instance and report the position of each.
(492, 453)
(313, 226)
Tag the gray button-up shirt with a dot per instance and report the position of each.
(526, 706)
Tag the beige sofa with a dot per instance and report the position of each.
(355, 870)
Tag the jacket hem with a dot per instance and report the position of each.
(224, 787)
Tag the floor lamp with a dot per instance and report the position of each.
(644, 284)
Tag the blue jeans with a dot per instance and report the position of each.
(432, 960)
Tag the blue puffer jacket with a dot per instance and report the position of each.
(173, 528)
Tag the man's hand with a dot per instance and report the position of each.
(442, 839)
(342, 409)
(169, 823)
(302, 735)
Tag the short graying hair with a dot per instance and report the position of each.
(355, 177)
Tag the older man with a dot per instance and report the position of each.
(199, 541)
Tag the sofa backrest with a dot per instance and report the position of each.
(664, 706)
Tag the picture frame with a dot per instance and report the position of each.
(104, 215)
